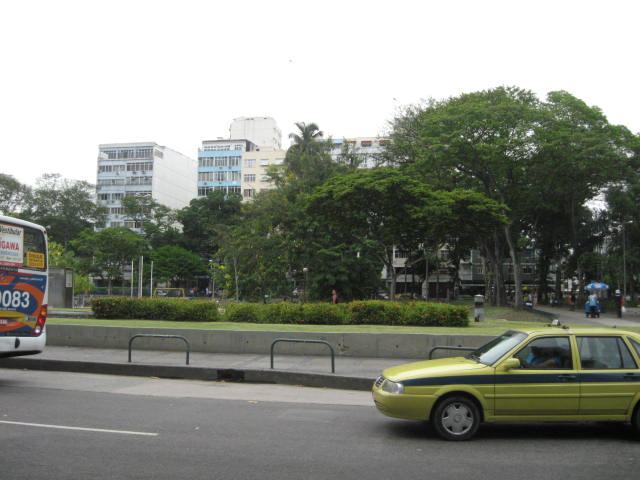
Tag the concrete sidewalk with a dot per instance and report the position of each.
(358, 361)
(313, 371)
(607, 319)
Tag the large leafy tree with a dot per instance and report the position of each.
(65, 207)
(483, 141)
(176, 265)
(383, 209)
(12, 195)
(542, 160)
(578, 153)
(158, 222)
(203, 218)
(105, 253)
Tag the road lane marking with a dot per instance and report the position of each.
(82, 429)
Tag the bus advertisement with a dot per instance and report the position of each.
(23, 287)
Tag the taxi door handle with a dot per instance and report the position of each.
(568, 378)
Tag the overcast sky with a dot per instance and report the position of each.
(76, 74)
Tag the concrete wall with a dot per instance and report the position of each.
(383, 345)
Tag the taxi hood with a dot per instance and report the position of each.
(441, 367)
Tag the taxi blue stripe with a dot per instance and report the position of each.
(561, 376)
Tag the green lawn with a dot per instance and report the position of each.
(497, 321)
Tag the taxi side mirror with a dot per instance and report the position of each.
(510, 364)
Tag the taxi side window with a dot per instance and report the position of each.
(636, 346)
(546, 353)
(604, 353)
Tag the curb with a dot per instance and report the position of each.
(193, 373)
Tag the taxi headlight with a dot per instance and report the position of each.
(393, 387)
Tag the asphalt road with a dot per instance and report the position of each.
(57, 425)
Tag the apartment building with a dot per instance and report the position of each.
(367, 151)
(262, 131)
(240, 165)
(254, 170)
(220, 165)
(143, 169)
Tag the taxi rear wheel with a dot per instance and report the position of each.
(456, 418)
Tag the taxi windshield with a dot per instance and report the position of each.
(496, 348)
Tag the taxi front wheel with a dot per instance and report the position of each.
(456, 418)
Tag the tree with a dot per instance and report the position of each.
(200, 221)
(64, 207)
(176, 265)
(105, 253)
(306, 140)
(12, 195)
(157, 222)
(542, 160)
(481, 141)
(578, 153)
(383, 209)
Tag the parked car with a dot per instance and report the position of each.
(169, 293)
(549, 374)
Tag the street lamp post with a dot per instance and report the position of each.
(306, 282)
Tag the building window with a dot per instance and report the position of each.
(234, 161)
(250, 177)
(250, 162)
(264, 162)
(220, 176)
(103, 197)
(365, 143)
(236, 190)
(238, 146)
(249, 192)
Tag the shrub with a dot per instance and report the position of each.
(322, 314)
(241, 312)
(355, 313)
(155, 309)
(435, 315)
(375, 312)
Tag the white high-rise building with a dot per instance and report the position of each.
(261, 131)
(143, 169)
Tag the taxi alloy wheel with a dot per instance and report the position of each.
(456, 418)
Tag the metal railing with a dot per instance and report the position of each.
(296, 340)
(188, 345)
(469, 349)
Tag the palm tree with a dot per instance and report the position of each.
(306, 140)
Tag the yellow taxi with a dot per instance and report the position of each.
(550, 374)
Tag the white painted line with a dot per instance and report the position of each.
(82, 429)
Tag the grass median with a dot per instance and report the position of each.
(498, 319)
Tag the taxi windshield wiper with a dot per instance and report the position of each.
(475, 357)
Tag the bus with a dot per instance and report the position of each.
(23, 287)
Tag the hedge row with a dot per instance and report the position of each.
(176, 309)
(354, 313)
